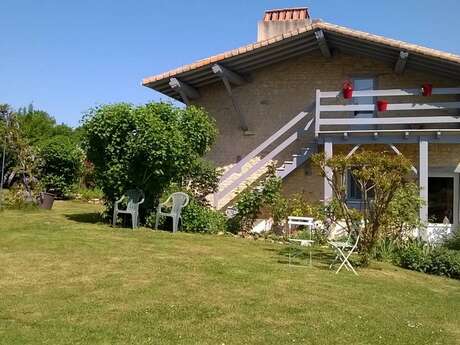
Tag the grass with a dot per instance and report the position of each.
(65, 279)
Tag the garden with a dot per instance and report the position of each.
(67, 274)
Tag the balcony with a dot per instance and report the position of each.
(409, 116)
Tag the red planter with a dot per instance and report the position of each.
(347, 90)
(382, 105)
(427, 89)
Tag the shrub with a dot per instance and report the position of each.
(300, 207)
(201, 180)
(419, 256)
(403, 213)
(199, 218)
(453, 241)
(147, 147)
(380, 176)
(88, 194)
(252, 200)
(195, 218)
(22, 162)
(445, 262)
(60, 166)
(18, 198)
(385, 250)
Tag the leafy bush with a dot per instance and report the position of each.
(300, 207)
(18, 198)
(196, 217)
(89, 193)
(380, 176)
(385, 250)
(251, 201)
(453, 241)
(419, 256)
(87, 177)
(22, 161)
(61, 164)
(147, 147)
(403, 213)
(201, 180)
(199, 218)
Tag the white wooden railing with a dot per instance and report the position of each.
(386, 120)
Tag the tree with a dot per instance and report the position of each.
(38, 126)
(147, 147)
(61, 164)
(381, 177)
(23, 160)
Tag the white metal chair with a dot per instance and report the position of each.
(175, 202)
(343, 251)
(306, 221)
(135, 198)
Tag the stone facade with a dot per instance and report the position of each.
(277, 93)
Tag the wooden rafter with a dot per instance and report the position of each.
(322, 43)
(400, 64)
(186, 91)
(229, 77)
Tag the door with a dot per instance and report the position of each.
(363, 84)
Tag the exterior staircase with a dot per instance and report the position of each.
(297, 160)
(255, 164)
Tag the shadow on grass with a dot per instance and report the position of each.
(300, 256)
(91, 218)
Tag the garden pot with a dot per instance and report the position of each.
(347, 90)
(427, 89)
(46, 200)
(382, 105)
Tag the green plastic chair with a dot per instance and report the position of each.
(176, 202)
(135, 198)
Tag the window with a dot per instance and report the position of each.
(354, 190)
(441, 199)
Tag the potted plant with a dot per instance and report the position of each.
(347, 89)
(427, 89)
(382, 105)
(45, 200)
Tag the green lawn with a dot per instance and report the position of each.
(67, 280)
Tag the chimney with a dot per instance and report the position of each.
(277, 22)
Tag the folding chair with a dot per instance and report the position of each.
(307, 221)
(343, 251)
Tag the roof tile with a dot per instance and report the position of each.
(316, 25)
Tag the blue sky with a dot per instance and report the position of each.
(66, 56)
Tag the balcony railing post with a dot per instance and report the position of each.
(423, 179)
(317, 111)
(328, 177)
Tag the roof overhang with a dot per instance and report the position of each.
(302, 41)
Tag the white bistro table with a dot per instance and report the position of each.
(306, 221)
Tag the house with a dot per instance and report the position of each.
(280, 99)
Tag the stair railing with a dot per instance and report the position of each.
(218, 196)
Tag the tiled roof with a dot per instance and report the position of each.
(295, 13)
(318, 25)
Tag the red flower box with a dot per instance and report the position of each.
(382, 105)
(427, 89)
